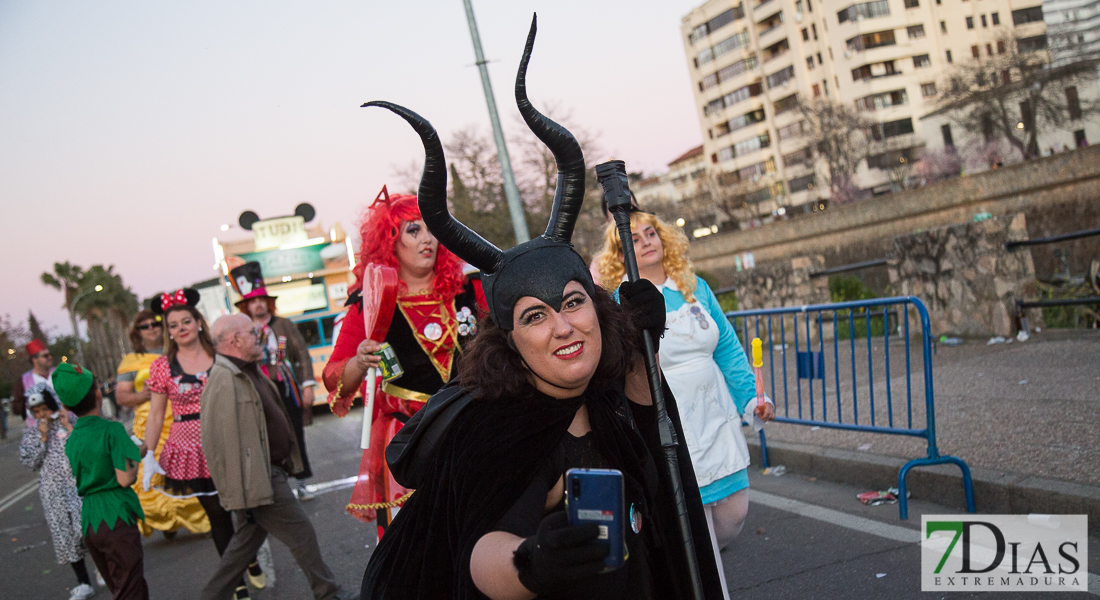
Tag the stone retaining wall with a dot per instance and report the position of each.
(965, 276)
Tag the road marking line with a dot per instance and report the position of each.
(835, 517)
(14, 497)
(332, 486)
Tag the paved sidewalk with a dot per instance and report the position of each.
(1030, 408)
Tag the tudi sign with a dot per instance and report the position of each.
(1004, 553)
(272, 233)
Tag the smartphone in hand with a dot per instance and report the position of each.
(596, 496)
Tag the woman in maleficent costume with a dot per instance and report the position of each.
(552, 381)
(438, 309)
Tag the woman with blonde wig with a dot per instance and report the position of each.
(705, 365)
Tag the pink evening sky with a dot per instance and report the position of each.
(131, 131)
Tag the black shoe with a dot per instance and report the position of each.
(242, 593)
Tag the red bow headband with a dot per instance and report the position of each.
(175, 299)
(184, 297)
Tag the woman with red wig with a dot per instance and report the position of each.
(436, 313)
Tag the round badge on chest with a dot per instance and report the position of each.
(433, 331)
(635, 519)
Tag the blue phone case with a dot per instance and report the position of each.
(596, 496)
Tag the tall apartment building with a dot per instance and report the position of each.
(1074, 29)
(751, 60)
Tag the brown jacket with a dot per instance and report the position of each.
(234, 438)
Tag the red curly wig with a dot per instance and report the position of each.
(379, 228)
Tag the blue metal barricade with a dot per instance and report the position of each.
(812, 391)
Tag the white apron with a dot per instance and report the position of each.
(711, 422)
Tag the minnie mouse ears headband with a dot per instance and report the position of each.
(181, 297)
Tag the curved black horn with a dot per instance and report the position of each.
(432, 198)
(567, 154)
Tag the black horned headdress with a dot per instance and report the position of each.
(541, 267)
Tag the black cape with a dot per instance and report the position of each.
(470, 460)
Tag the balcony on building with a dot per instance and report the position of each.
(729, 72)
(863, 10)
(882, 100)
(769, 25)
(709, 27)
(776, 50)
(759, 4)
(869, 41)
(875, 71)
(740, 122)
(716, 106)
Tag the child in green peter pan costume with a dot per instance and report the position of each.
(104, 461)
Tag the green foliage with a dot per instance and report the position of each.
(860, 323)
(63, 345)
(708, 277)
(35, 329)
(727, 300)
(846, 288)
(1068, 317)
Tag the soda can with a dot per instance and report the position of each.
(391, 367)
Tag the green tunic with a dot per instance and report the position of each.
(95, 449)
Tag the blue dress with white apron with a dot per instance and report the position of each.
(709, 374)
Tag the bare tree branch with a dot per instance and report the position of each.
(1015, 93)
(837, 137)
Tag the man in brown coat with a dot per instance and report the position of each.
(286, 360)
(250, 447)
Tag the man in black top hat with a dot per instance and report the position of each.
(286, 357)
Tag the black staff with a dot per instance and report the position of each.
(612, 176)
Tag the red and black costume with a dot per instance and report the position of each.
(427, 332)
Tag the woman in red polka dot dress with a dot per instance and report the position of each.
(179, 377)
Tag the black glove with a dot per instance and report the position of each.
(559, 555)
(647, 307)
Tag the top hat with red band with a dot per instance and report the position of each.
(35, 346)
(248, 280)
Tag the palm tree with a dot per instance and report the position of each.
(107, 312)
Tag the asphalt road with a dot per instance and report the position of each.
(803, 539)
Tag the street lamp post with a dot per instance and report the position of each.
(511, 192)
(72, 318)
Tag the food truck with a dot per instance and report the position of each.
(306, 267)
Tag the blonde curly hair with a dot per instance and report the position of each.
(609, 262)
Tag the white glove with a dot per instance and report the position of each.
(750, 413)
(149, 465)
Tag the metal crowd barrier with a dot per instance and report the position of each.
(807, 385)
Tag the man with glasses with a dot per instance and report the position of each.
(247, 434)
(286, 360)
(41, 368)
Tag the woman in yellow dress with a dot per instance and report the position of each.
(162, 512)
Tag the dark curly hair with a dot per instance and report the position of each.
(493, 367)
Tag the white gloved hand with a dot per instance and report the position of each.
(752, 418)
(149, 466)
